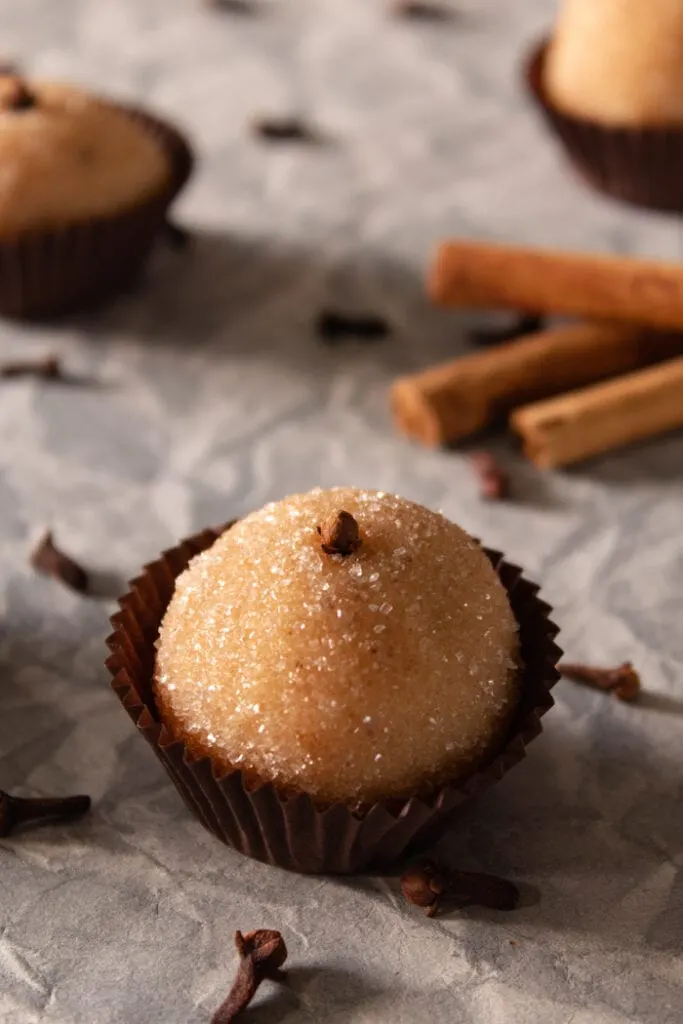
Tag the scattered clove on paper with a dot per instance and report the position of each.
(48, 559)
(494, 482)
(262, 954)
(622, 681)
(283, 129)
(424, 885)
(17, 810)
(333, 327)
(240, 7)
(422, 10)
(48, 367)
(428, 885)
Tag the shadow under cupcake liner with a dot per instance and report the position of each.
(291, 831)
(45, 273)
(641, 166)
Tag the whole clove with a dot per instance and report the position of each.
(18, 97)
(282, 129)
(262, 954)
(48, 559)
(241, 7)
(523, 325)
(622, 681)
(421, 10)
(424, 885)
(429, 885)
(16, 811)
(48, 367)
(494, 482)
(339, 534)
(334, 328)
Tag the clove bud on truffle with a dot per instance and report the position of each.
(339, 534)
(16, 95)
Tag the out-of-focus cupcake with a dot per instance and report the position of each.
(84, 189)
(331, 677)
(610, 82)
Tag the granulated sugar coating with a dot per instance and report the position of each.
(353, 677)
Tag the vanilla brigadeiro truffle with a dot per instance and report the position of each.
(348, 644)
(67, 157)
(618, 62)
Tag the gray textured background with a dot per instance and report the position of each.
(215, 398)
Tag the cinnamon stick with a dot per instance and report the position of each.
(450, 401)
(584, 423)
(480, 274)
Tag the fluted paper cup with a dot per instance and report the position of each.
(641, 166)
(49, 272)
(291, 830)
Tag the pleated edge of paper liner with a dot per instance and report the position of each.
(54, 271)
(639, 166)
(395, 825)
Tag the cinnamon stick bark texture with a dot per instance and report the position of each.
(595, 420)
(450, 401)
(480, 274)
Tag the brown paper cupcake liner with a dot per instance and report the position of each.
(292, 831)
(641, 166)
(45, 273)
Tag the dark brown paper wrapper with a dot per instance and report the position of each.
(642, 166)
(45, 273)
(291, 831)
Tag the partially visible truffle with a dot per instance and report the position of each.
(356, 676)
(67, 156)
(618, 62)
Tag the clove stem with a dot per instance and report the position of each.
(623, 681)
(48, 368)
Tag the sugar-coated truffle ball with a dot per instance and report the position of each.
(345, 643)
